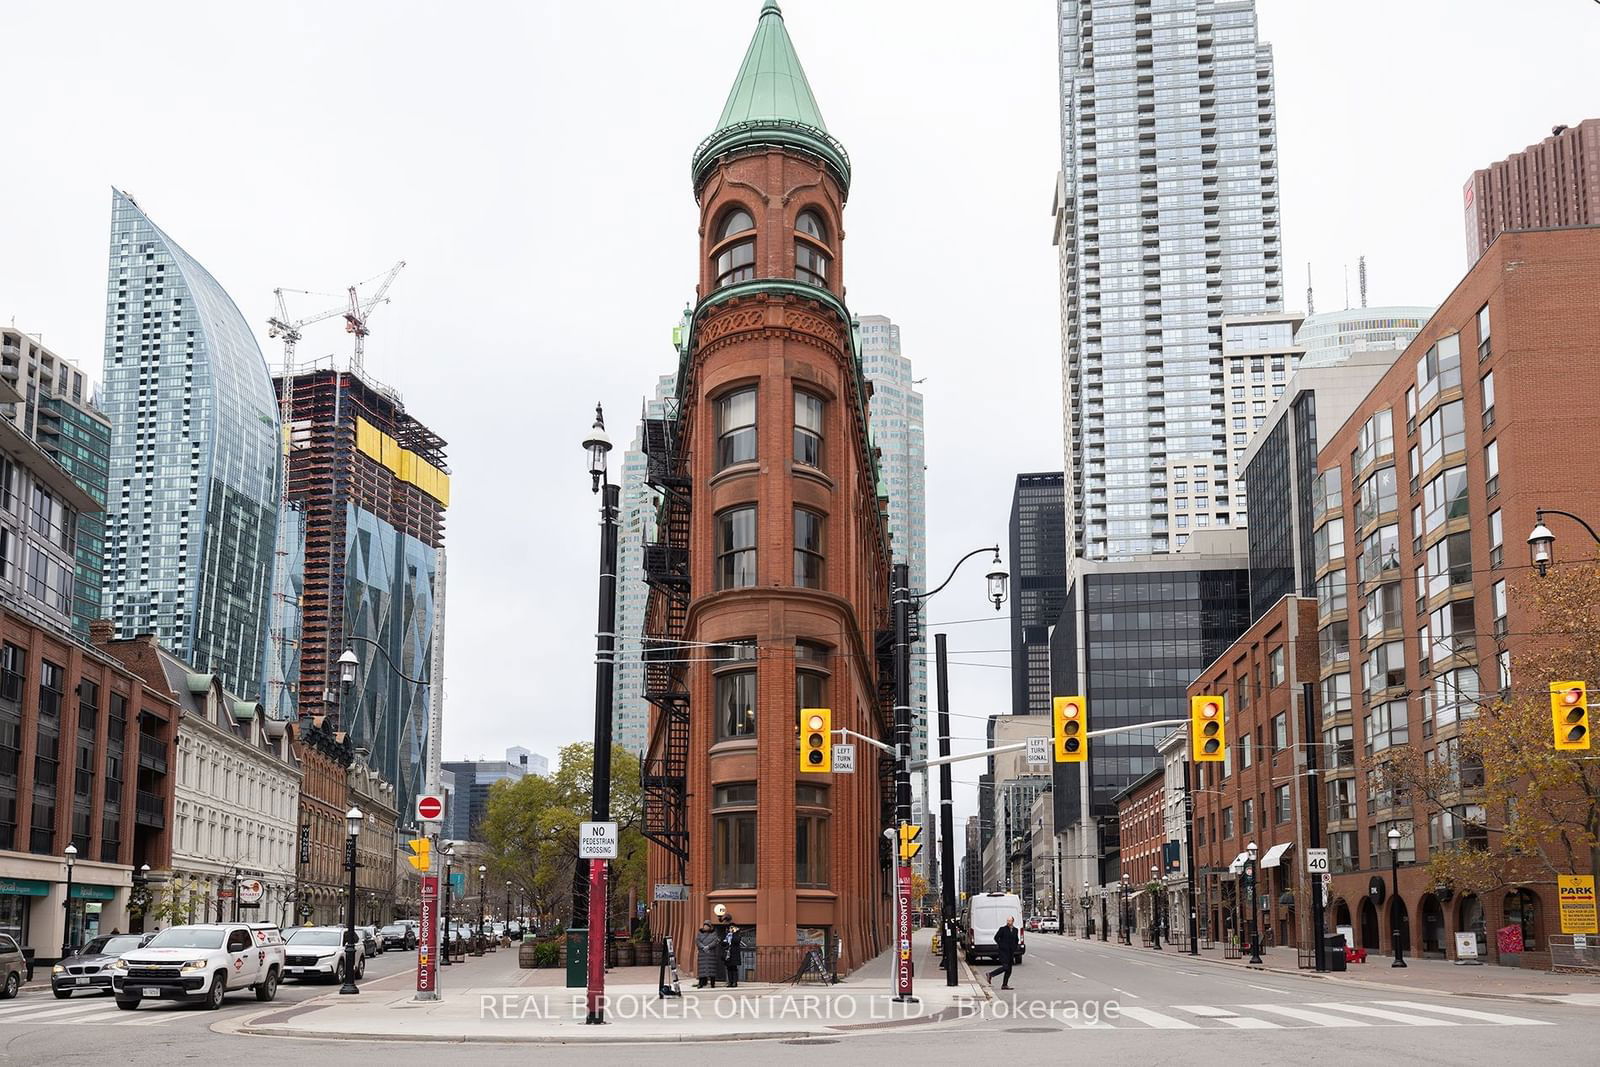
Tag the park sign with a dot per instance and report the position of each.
(1575, 893)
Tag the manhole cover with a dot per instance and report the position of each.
(812, 1041)
(1033, 1030)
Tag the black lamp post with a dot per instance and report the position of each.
(482, 938)
(1541, 542)
(1250, 900)
(1087, 904)
(1155, 907)
(508, 907)
(1124, 927)
(1394, 904)
(139, 898)
(449, 891)
(66, 903)
(352, 819)
(237, 874)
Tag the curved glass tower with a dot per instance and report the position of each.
(192, 507)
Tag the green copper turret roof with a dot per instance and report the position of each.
(771, 104)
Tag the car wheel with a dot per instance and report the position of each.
(361, 968)
(218, 990)
(268, 988)
(61, 994)
(127, 1005)
(13, 983)
(338, 971)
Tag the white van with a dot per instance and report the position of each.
(986, 913)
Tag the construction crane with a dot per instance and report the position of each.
(360, 312)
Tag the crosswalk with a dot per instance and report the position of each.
(97, 1011)
(1310, 1015)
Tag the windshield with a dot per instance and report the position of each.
(312, 936)
(112, 946)
(394, 928)
(186, 937)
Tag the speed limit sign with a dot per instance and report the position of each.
(1316, 861)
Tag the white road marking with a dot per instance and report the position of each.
(1156, 1020)
(1306, 1016)
(1466, 1013)
(1125, 993)
(1051, 962)
(1206, 1010)
(1381, 1013)
(1263, 988)
(34, 1014)
(1227, 1017)
(1075, 974)
(1084, 1024)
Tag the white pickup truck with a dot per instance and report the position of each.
(203, 962)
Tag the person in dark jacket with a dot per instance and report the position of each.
(735, 955)
(708, 955)
(1005, 942)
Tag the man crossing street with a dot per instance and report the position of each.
(1005, 942)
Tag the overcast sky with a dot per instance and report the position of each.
(530, 162)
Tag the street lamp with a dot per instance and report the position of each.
(482, 939)
(589, 880)
(1124, 925)
(449, 891)
(352, 819)
(66, 902)
(1087, 904)
(1250, 894)
(1155, 907)
(139, 898)
(1394, 904)
(508, 907)
(1542, 543)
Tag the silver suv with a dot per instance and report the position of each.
(13, 967)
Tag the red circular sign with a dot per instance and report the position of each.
(429, 808)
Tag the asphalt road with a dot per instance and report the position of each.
(1071, 998)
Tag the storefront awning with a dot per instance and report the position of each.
(1274, 854)
(1237, 866)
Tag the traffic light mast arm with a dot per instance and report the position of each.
(874, 742)
(919, 765)
(1136, 726)
(924, 764)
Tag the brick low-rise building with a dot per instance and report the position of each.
(1141, 823)
(321, 879)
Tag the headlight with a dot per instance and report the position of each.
(120, 965)
(195, 965)
(58, 969)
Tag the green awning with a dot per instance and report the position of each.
(23, 887)
(93, 892)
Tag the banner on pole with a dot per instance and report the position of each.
(427, 936)
(902, 963)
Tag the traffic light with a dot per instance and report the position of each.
(1071, 730)
(909, 845)
(420, 857)
(816, 740)
(1569, 715)
(1208, 731)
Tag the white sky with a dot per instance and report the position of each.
(530, 162)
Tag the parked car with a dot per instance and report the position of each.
(317, 953)
(90, 968)
(204, 962)
(370, 945)
(1049, 925)
(398, 935)
(986, 913)
(13, 967)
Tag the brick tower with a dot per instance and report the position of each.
(785, 586)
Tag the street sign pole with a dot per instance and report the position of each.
(428, 937)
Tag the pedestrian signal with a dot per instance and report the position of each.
(909, 845)
(1208, 732)
(1569, 715)
(1071, 730)
(816, 740)
(420, 857)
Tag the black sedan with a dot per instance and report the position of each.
(90, 969)
(398, 935)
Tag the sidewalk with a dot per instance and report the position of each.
(1417, 976)
(490, 999)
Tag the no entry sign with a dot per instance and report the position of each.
(430, 807)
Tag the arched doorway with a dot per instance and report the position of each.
(1369, 925)
(1522, 910)
(1472, 921)
(1433, 937)
(1399, 925)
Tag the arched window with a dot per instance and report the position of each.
(736, 262)
(811, 257)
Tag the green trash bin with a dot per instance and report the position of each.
(577, 958)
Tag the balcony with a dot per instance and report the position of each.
(152, 754)
(150, 809)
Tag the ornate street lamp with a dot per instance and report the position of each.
(1394, 903)
(1250, 894)
(1155, 907)
(353, 819)
(1542, 543)
(66, 903)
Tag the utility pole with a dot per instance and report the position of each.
(1313, 799)
(1188, 838)
(947, 846)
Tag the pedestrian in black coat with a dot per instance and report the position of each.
(708, 955)
(735, 955)
(1005, 942)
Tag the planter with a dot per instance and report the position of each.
(625, 954)
(646, 954)
(525, 954)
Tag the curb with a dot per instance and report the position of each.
(473, 1039)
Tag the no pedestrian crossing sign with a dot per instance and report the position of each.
(597, 841)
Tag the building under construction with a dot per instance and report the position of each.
(371, 484)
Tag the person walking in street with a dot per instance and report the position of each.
(1005, 942)
(708, 955)
(735, 954)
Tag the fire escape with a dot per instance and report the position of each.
(666, 571)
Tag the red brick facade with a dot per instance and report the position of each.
(1553, 183)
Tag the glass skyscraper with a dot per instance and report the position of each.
(1166, 218)
(192, 507)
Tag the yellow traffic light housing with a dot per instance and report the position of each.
(1208, 730)
(816, 740)
(1569, 715)
(420, 857)
(1071, 730)
(909, 845)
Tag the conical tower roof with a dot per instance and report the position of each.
(771, 103)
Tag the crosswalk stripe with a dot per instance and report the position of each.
(1320, 1018)
(1085, 1024)
(1157, 1020)
(1391, 1016)
(1227, 1017)
(34, 1014)
(1466, 1013)
(153, 1020)
(1204, 1009)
